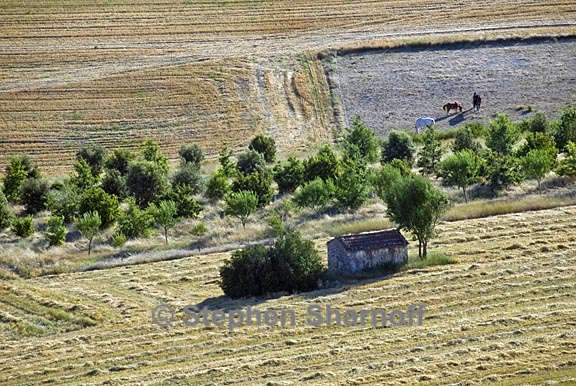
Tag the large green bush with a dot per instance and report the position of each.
(119, 160)
(250, 162)
(291, 265)
(18, 170)
(218, 186)
(134, 222)
(188, 177)
(565, 129)
(352, 186)
(361, 142)
(64, 201)
(55, 230)
(114, 183)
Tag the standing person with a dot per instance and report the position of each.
(478, 102)
(474, 100)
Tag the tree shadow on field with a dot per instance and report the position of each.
(332, 286)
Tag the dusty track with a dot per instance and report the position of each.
(504, 313)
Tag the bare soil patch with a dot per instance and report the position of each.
(392, 88)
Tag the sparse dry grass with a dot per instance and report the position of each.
(502, 313)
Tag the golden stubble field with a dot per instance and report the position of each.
(504, 313)
(116, 71)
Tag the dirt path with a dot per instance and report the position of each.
(402, 85)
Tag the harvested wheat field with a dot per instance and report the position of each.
(511, 77)
(504, 313)
(215, 73)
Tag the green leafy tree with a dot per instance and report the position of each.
(538, 141)
(18, 170)
(431, 152)
(165, 215)
(260, 183)
(501, 171)
(119, 160)
(415, 205)
(250, 162)
(23, 226)
(83, 177)
(265, 146)
(537, 163)
(188, 177)
(565, 129)
(64, 201)
(94, 155)
(289, 175)
(146, 182)
(461, 169)
(323, 165)
(398, 146)
(567, 166)
(226, 163)
(535, 124)
(360, 141)
(97, 200)
(55, 230)
(314, 194)
(34, 195)
(89, 225)
(218, 186)
(134, 222)
(241, 205)
(383, 178)
(187, 206)
(465, 140)
(114, 183)
(351, 187)
(151, 152)
(502, 135)
(191, 155)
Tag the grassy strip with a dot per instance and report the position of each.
(481, 209)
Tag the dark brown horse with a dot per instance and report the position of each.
(456, 106)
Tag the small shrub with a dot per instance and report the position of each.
(567, 166)
(191, 155)
(114, 183)
(188, 177)
(64, 201)
(565, 129)
(55, 230)
(351, 188)
(23, 226)
(502, 135)
(187, 206)
(199, 229)
(151, 152)
(264, 145)
(314, 194)
(118, 239)
(18, 170)
(382, 179)
(398, 146)
(119, 161)
(361, 142)
(465, 140)
(146, 182)
(218, 186)
(93, 155)
(6, 216)
(250, 162)
(83, 178)
(323, 165)
(431, 152)
(289, 175)
(34, 195)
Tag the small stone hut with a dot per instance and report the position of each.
(353, 254)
